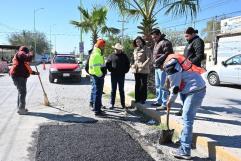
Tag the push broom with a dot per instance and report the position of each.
(46, 100)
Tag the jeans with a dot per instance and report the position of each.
(20, 83)
(140, 87)
(161, 94)
(99, 84)
(192, 102)
(93, 88)
(120, 80)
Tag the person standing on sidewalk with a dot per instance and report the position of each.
(141, 69)
(98, 70)
(19, 72)
(162, 48)
(118, 64)
(194, 51)
(192, 86)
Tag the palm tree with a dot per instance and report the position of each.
(94, 22)
(148, 10)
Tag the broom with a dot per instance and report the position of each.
(46, 100)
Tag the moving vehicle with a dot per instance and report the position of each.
(228, 71)
(64, 66)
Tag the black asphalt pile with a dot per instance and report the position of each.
(102, 141)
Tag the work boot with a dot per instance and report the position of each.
(23, 111)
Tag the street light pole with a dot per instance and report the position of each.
(123, 21)
(34, 28)
(50, 38)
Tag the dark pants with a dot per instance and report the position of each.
(99, 84)
(20, 83)
(120, 80)
(140, 87)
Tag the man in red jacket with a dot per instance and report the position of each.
(19, 72)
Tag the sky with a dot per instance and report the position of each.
(16, 15)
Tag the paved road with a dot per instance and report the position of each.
(69, 109)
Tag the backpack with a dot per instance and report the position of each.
(185, 63)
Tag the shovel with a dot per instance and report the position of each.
(166, 135)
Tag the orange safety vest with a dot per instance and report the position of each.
(16, 63)
(185, 63)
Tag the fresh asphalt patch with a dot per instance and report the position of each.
(101, 141)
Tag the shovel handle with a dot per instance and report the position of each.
(167, 119)
(40, 80)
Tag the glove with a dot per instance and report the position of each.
(35, 73)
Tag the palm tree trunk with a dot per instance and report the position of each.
(94, 37)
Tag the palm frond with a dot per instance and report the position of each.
(184, 8)
(84, 12)
(109, 30)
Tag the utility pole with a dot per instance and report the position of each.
(123, 21)
(214, 43)
(34, 28)
(81, 44)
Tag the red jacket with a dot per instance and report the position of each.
(21, 67)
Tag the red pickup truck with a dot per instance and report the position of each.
(64, 66)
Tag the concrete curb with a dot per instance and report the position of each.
(203, 144)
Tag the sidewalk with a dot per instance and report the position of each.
(217, 130)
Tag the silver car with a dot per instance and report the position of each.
(229, 71)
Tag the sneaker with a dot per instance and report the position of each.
(179, 113)
(156, 104)
(23, 111)
(161, 108)
(179, 154)
(103, 107)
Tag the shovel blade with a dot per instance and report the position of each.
(166, 136)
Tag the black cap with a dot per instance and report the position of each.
(155, 31)
(191, 30)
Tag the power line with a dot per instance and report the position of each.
(208, 6)
(204, 19)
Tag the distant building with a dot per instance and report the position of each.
(231, 25)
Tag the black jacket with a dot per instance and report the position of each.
(161, 51)
(194, 51)
(118, 64)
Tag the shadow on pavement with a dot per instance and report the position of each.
(130, 80)
(84, 81)
(230, 86)
(227, 110)
(219, 140)
(69, 118)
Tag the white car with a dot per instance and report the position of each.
(228, 71)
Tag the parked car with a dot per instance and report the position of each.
(64, 66)
(228, 71)
(4, 67)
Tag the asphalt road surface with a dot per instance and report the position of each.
(105, 141)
